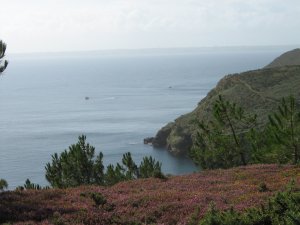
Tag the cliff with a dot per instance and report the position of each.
(258, 91)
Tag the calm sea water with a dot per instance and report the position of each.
(132, 94)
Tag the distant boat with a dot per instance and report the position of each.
(87, 98)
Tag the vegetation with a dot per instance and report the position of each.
(223, 141)
(151, 201)
(3, 65)
(284, 128)
(30, 186)
(77, 166)
(284, 208)
(3, 184)
(232, 138)
(257, 92)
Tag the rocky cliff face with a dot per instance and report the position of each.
(258, 91)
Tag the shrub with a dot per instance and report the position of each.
(262, 187)
(98, 198)
(284, 208)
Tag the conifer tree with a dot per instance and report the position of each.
(132, 169)
(150, 168)
(75, 166)
(114, 174)
(284, 129)
(220, 143)
(3, 65)
(3, 184)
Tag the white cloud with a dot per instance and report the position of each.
(65, 25)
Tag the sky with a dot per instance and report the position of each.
(73, 25)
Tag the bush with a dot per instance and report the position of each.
(98, 198)
(262, 187)
(284, 208)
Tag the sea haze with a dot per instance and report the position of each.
(132, 94)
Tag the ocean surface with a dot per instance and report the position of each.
(131, 95)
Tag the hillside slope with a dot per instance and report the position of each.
(289, 58)
(258, 91)
(148, 201)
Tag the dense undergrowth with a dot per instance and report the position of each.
(284, 208)
(149, 201)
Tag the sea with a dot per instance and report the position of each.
(116, 98)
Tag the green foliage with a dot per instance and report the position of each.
(150, 168)
(30, 186)
(98, 198)
(3, 184)
(3, 63)
(284, 208)
(224, 142)
(76, 166)
(194, 219)
(232, 138)
(131, 170)
(114, 175)
(284, 130)
(262, 187)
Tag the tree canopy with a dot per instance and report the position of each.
(78, 166)
(3, 63)
(232, 138)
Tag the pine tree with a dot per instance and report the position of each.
(284, 128)
(3, 63)
(3, 184)
(132, 169)
(114, 174)
(75, 166)
(222, 142)
(150, 168)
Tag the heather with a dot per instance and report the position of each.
(284, 208)
(149, 201)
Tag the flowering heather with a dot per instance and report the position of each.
(148, 201)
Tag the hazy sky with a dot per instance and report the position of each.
(69, 25)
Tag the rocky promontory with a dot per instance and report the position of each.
(257, 91)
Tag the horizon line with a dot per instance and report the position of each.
(118, 50)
